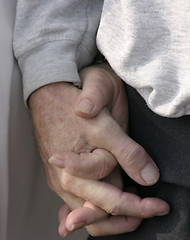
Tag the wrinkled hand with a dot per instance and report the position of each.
(97, 221)
(58, 129)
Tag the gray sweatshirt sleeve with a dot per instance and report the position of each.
(54, 39)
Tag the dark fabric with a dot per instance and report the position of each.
(168, 143)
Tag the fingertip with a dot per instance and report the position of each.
(85, 108)
(56, 161)
(166, 209)
(62, 230)
(77, 219)
(64, 233)
(84, 216)
(152, 207)
(150, 173)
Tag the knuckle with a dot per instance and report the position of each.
(96, 130)
(135, 155)
(103, 125)
(115, 207)
(71, 168)
(66, 181)
(142, 214)
(137, 151)
(145, 208)
(114, 210)
(102, 170)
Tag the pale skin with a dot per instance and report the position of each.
(88, 151)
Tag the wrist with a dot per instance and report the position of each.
(48, 92)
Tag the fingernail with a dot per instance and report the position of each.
(163, 214)
(56, 161)
(72, 228)
(77, 226)
(85, 106)
(150, 173)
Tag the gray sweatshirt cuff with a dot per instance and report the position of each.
(52, 62)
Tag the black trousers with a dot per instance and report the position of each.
(168, 143)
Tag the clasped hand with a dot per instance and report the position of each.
(82, 134)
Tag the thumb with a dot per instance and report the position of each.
(132, 157)
(97, 92)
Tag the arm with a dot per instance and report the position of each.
(54, 39)
(49, 51)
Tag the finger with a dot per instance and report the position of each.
(71, 202)
(89, 214)
(106, 225)
(63, 212)
(84, 216)
(97, 93)
(114, 225)
(62, 216)
(95, 165)
(112, 199)
(55, 174)
(131, 156)
(99, 223)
